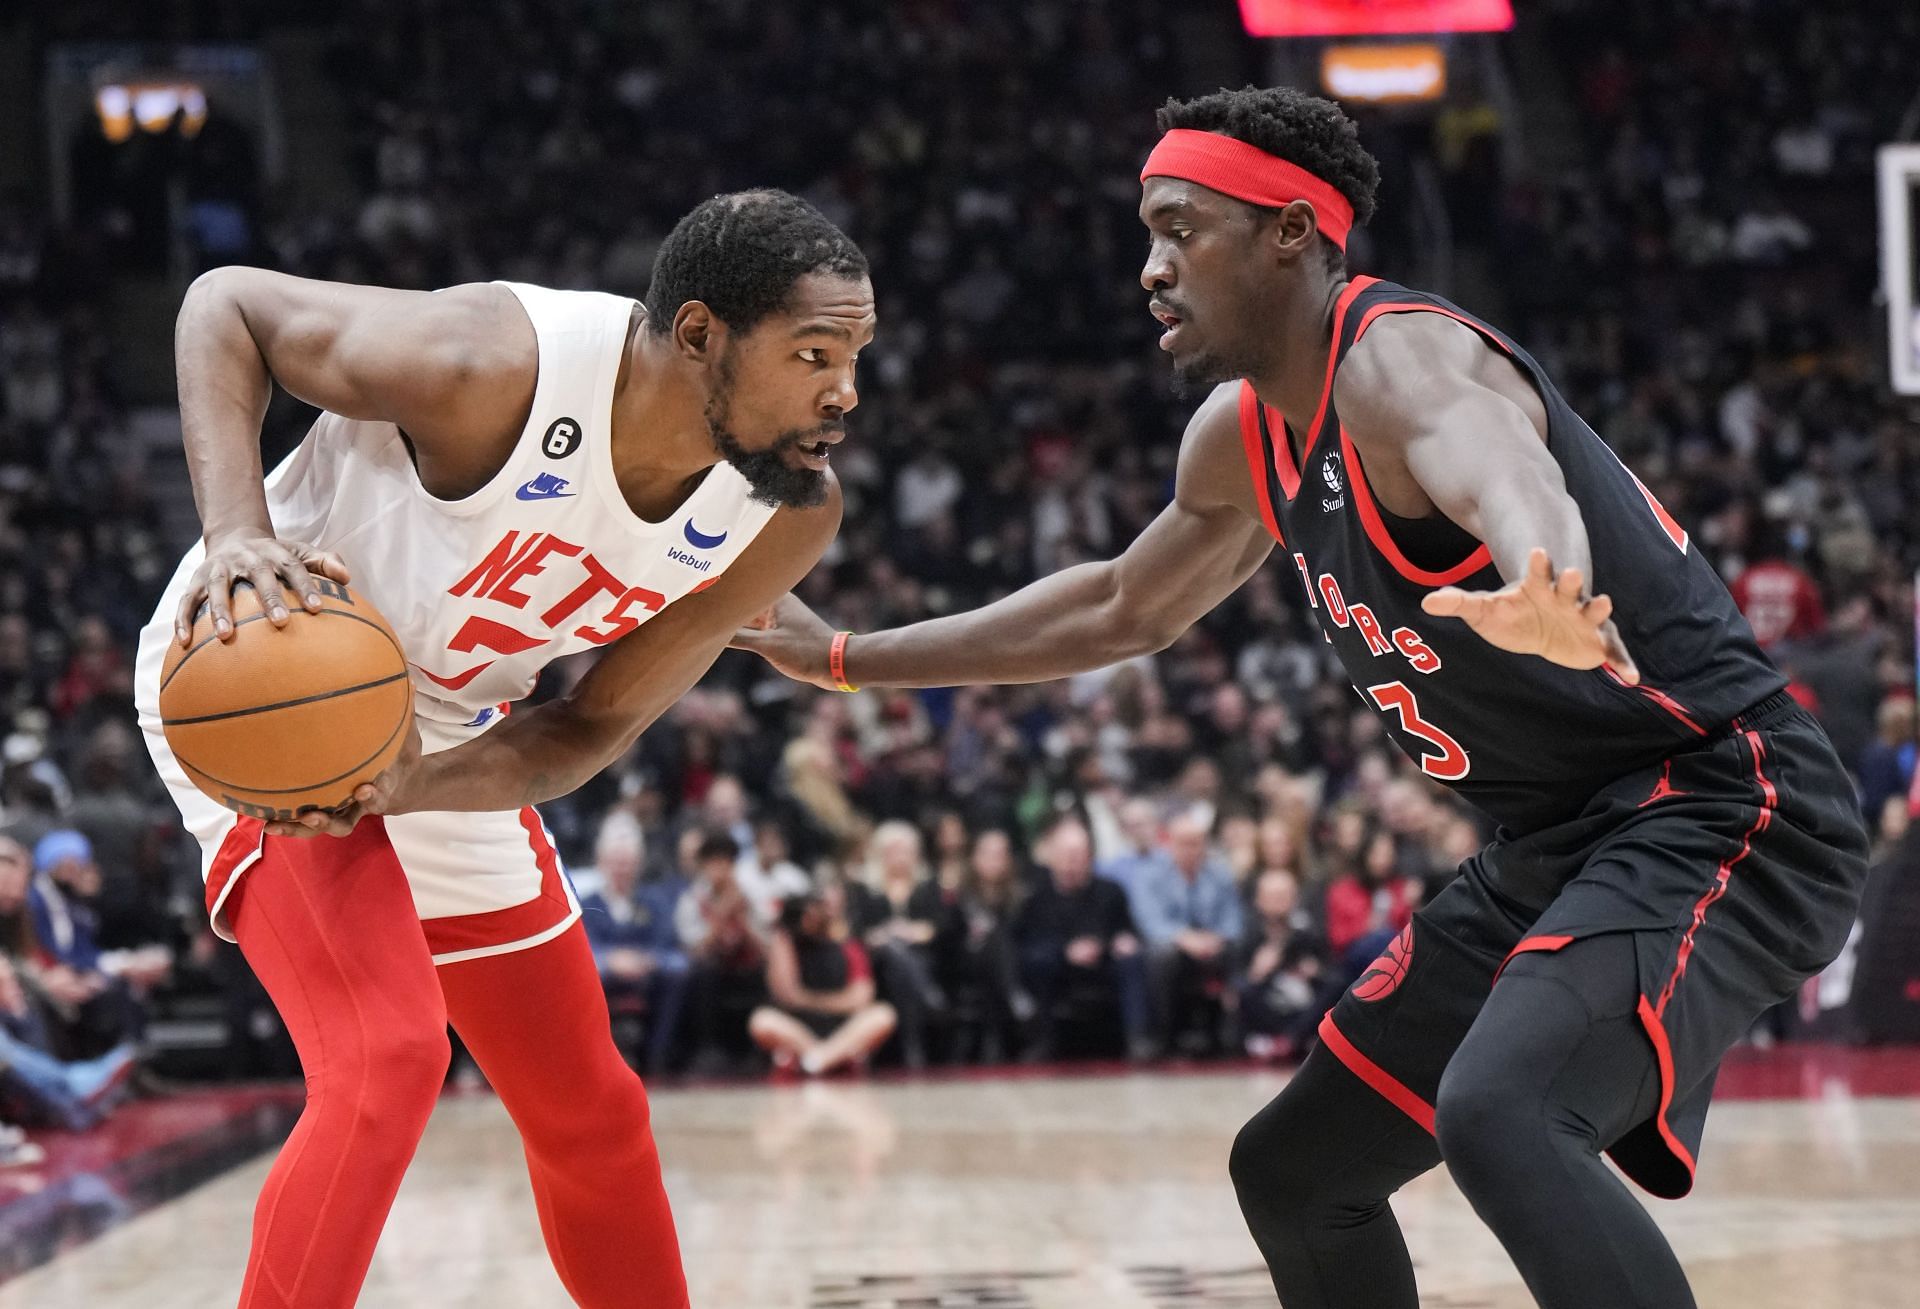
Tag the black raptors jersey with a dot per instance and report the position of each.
(1525, 740)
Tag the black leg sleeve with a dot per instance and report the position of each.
(1314, 1170)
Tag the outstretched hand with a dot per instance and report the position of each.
(793, 639)
(1542, 615)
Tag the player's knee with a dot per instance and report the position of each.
(1264, 1165)
(1483, 1114)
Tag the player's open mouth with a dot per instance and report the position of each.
(1169, 320)
(816, 454)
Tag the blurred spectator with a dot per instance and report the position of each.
(823, 1014)
(1887, 765)
(716, 927)
(1078, 944)
(1282, 984)
(767, 876)
(1143, 854)
(1189, 914)
(37, 1087)
(1369, 901)
(894, 914)
(630, 924)
(94, 994)
(976, 958)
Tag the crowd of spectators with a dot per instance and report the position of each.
(1193, 850)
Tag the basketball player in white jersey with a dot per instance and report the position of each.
(510, 475)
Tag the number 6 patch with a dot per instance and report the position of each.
(562, 438)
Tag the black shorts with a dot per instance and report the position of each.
(1737, 865)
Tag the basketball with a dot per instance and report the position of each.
(279, 720)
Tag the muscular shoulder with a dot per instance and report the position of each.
(1410, 367)
(1212, 472)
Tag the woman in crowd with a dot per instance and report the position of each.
(823, 1013)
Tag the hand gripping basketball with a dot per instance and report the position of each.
(264, 563)
(385, 794)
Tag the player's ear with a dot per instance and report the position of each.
(1291, 230)
(697, 332)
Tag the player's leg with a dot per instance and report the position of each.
(1557, 1068)
(1314, 1171)
(329, 928)
(536, 1022)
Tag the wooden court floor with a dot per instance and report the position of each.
(1030, 1193)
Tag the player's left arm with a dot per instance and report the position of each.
(1445, 423)
(549, 750)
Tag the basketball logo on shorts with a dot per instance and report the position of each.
(1384, 975)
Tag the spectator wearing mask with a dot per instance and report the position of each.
(728, 951)
(823, 1013)
(1282, 983)
(1189, 913)
(630, 925)
(767, 876)
(896, 921)
(1076, 937)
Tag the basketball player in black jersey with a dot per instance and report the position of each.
(1679, 847)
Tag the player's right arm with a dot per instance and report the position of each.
(1190, 558)
(453, 369)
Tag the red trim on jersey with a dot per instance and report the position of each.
(237, 849)
(1415, 307)
(1769, 801)
(1383, 539)
(1391, 1088)
(548, 907)
(1660, 698)
(1663, 1056)
(1340, 306)
(1257, 458)
(1283, 452)
(1533, 944)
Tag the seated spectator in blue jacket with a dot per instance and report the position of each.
(94, 996)
(629, 923)
(1075, 934)
(1188, 910)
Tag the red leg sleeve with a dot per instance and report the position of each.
(536, 1021)
(329, 926)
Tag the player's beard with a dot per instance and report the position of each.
(1201, 373)
(771, 479)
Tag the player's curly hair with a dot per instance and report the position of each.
(1302, 129)
(740, 254)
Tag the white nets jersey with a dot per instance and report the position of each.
(547, 559)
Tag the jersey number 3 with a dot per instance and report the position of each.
(1451, 763)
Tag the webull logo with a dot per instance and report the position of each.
(688, 558)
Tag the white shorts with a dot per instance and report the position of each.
(482, 883)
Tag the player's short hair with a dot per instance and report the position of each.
(1305, 130)
(740, 255)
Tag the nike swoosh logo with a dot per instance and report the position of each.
(700, 540)
(530, 492)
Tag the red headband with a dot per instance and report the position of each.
(1246, 172)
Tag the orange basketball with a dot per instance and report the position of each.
(279, 720)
